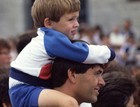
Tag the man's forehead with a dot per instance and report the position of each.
(97, 68)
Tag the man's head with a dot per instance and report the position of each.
(81, 81)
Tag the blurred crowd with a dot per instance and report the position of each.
(123, 40)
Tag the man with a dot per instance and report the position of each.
(81, 81)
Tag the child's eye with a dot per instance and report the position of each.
(71, 19)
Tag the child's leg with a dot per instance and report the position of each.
(53, 98)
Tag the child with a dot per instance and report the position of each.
(57, 23)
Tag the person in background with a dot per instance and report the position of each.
(127, 28)
(85, 33)
(4, 96)
(118, 91)
(98, 33)
(24, 39)
(12, 41)
(5, 58)
(116, 38)
(127, 51)
(137, 94)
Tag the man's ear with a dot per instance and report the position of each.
(47, 23)
(72, 76)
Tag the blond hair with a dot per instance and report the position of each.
(52, 9)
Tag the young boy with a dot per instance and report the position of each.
(57, 23)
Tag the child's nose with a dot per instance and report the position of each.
(76, 24)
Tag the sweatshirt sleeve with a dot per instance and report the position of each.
(58, 45)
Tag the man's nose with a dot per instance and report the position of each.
(101, 81)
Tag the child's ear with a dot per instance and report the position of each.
(47, 23)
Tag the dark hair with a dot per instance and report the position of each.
(52, 9)
(61, 66)
(4, 45)
(137, 94)
(117, 91)
(116, 67)
(25, 38)
(4, 96)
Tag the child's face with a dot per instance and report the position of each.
(68, 24)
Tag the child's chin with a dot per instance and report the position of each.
(71, 37)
